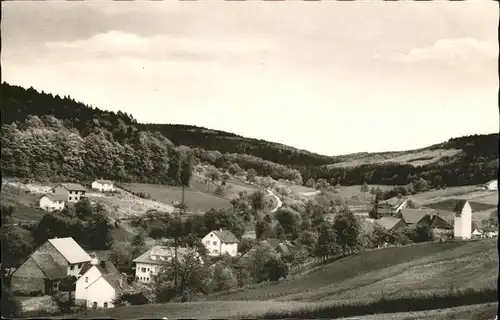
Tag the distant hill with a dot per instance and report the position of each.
(49, 135)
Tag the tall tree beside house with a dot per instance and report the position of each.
(364, 189)
(326, 245)
(373, 192)
(257, 200)
(185, 176)
(374, 213)
(68, 285)
(347, 231)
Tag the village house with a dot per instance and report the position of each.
(150, 263)
(391, 223)
(74, 191)
(103, 185)
(415, 216)
(98, 284)
(47, 266)
(463, 220)
(220, 242)
(51, 202)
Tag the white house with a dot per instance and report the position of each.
(73, 191)
(103, 185)
(150, 263)
(219, 242)
(98, 284)
(463, 220)
(51, 202)
(492, 185)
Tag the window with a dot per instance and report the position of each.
(55, 285)
(211, 234)
(105, 304)
(148, 269)
(70, 198)
(143, 269)
(86, 279)
(94, 305)
(147, 279)
(215, 243)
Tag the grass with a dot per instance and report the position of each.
(449, 205)
(198, 201)
(415, 158)
(383, 270)
(483, 311)
(24, 202)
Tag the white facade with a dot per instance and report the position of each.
(51, 205)
(463, 223)
(81, 284)
(144, 272)
(103, 186)
(100, 294)
(216, 247)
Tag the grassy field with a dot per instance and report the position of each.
(198, 201)
(415, 158)
(483, 311)
(470, 193)
(391, 270)
(23, 200)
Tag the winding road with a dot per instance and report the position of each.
(277, 199)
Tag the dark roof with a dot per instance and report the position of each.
(388, 222)
(104, 181)
(103, 266)
(72, 186)
(50, 268)
(459, 206)
(439, 223)
(114, 280)
(56, 196)
(226, 236)
(412, 216)
(161, 251)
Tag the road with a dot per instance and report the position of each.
(277, 199)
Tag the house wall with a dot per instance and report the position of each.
(28, 279)
(102, 187)
(73, 269)
(100, 291)
(73, 196)
(49, 205)
(230, 248)
(80, 291)
(493, 185)
(145, 272)
(463, 223)
(212, 243)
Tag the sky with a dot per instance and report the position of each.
(330, 77)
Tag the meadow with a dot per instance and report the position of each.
(24, 202)
(415, 158)
(197, 201)
(393, 271)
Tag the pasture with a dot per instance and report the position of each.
(415, 158)
(24, 202)
(385, 270)
(197, 201)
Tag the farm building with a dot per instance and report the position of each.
(74, 191)
(48, 265)
(219, 242)
(103, 185)
(415, 216)
(396, 205)
(98, 284)
(150, 263)
(463, 220)
(51, 202)
(391, 223)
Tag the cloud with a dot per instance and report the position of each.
(449, 51)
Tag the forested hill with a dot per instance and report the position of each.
(57, 137)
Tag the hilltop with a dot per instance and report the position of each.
(46, 135)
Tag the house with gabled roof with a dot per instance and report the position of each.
(51, 202)
(74, 191)
(391, 223)
(415, 216)
(220, 242)
(103, 185)
(151, 262)
(98, 284)
(47, 266)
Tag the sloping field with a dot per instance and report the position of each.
(197, 201)
(415, 158)
(370, 268)
(449, 205)
(413, 278)
(471, 193)
(24, 202)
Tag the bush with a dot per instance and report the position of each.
(11, 308)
